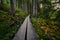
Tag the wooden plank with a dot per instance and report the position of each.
(31, 35)
(26, 31)
(20, 35)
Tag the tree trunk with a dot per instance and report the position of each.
(12, 9)
(19, 3)
(28, 7)
(15, 3)
(24, 5)
(31, 6)
(2, 1)
(34, 7)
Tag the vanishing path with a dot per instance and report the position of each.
(26, 31)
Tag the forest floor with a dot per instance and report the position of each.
(46, 31)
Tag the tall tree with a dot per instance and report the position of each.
(28, 6)
(2, 1)
(19, 3)
(24, 5)
(12, 9)
(35, 7)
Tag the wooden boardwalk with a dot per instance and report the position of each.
(26, 31)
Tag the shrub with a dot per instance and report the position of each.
(20, 13)
(4, 7)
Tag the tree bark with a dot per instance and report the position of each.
(12, 9)
(19, 3)
(34, 7)
(2, 1)
(28, 7)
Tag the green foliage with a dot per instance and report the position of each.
(20, 13)
(4, 17)
(39, 31)
(9, 24)
(4, 7)
(40, 25)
